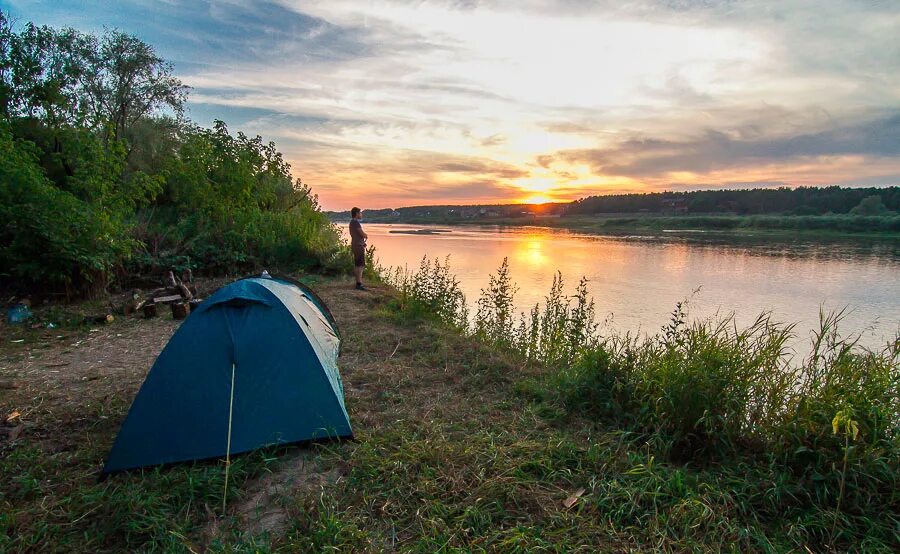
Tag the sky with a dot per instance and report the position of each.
(382, 103)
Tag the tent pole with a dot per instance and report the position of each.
(228, 445)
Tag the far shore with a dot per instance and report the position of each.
(824, 226)
(420, 231)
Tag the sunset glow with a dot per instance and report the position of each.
(387, 103)
(536, 199)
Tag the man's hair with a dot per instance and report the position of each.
(354, 212)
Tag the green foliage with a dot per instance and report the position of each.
(870, 205)
(709, 391)
(820, 223)
(809, 451)
(229, 204)
(557, 333)
(60, 237)
(693, 387)
(553, 333)
(432, 292)
(494, 318)
(97, 183)
(782, 200)
(66, 78)
(124, 80)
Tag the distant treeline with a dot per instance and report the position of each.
(102, 178)
(801, 201)
(455, 212)
(781, 201)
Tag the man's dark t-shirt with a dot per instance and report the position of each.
(356, 236)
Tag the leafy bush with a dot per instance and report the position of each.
(870, 205)
(560, 331)
(494, 318)
(50, 235)
(98, 179)
(812, 450)
(230, 205)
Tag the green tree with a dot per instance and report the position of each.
(99, 173)
(50, 236)
(124, 80)
(62, 76)
(41, 68)
(870, 205)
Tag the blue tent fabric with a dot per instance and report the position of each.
(287, 387)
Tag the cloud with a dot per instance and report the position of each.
(650, 157)
(493, 140)
(482, 168)
(423, 101)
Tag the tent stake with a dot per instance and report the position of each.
(228, 444)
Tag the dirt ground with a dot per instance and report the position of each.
(49, 376)
(52, 380)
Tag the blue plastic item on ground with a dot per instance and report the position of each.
(18, 314)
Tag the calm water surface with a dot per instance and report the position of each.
(637, 280)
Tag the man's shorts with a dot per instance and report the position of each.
(359, 254)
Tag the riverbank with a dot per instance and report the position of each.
(825, 226)
(458, 447)
(414, 394)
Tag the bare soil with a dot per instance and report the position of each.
(56, 382)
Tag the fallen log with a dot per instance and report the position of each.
(185, 292)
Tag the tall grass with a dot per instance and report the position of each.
(823, 433)
(554, 332)
(431, 291)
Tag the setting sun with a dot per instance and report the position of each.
(536, 199)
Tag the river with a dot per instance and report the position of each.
(636, 280)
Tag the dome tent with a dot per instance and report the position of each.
(255, 364)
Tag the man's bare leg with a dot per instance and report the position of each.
(357, 272)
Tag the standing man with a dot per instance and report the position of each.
(358, 246)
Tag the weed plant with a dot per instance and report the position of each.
(432, 292)
(808, 450)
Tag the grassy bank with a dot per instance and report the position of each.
(819, 225)
(814, 225)
(466, 442)
(772, 452)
